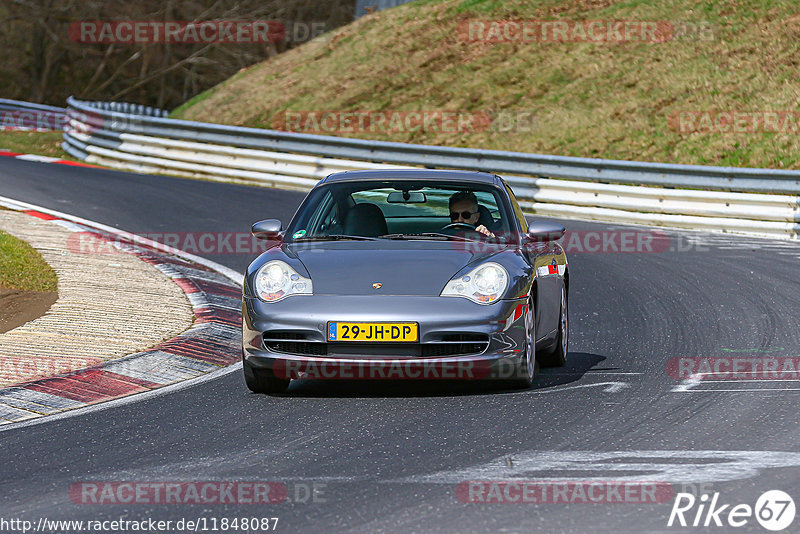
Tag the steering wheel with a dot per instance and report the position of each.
(459, 226)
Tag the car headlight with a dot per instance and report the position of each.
(484, 284)
(275, 280)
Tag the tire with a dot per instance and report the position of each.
(529, 366)
(263, 381)
(557, 355)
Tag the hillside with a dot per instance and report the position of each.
(620, 98)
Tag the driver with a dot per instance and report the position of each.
(464, 209)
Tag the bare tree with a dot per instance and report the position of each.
(46, 63)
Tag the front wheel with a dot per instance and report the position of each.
(263, 380)
(526, 370)
(557, 356)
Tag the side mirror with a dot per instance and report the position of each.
(269, 229)
(545, 231)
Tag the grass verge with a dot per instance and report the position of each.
(22, 268)
(39, 143)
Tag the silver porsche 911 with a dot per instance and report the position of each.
(405, 274)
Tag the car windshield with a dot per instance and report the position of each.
(399, 210)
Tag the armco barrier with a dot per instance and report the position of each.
(133, 109)
(18, 105)
(18, 115)
(687, 196)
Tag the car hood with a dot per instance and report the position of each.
(402, 268)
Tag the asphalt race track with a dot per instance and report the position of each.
(389, 456)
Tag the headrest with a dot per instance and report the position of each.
(485, 217)
(365, 220)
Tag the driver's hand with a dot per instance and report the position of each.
(485, 231)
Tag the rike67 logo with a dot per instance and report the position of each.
(774, 510)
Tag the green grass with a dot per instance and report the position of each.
(40, 143)
(22, 268)
(608, 100)
(192, 102)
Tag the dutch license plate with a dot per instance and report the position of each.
(390, 332)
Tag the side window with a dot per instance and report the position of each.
(523, 223)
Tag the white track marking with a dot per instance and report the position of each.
(758, 380)
(644, 465)
(689, 385)
(591, 373)
(748, 390)
(611, 387)
(34, 157)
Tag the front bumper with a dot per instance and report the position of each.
(449, 331)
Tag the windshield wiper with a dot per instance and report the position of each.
(337, 237)
(426, 235)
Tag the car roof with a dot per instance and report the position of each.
(412, 174)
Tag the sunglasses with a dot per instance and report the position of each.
(463, 214)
